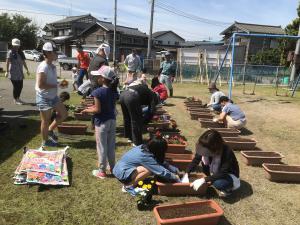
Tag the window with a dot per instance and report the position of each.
(168, 42)
(60, 32)
(137, 41)
(159, 42)
(176, 42)
(48, 33)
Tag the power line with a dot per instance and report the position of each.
(175, 11)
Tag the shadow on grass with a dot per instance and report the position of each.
(169, 105)
(245, 131)
(81, 144)
(20, 131)
(243, 192)
(42, 188)
(181, 97)
(120, 143)
(224, 221)
(151, 205)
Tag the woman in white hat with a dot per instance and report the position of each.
(46, 96)
(15, 61)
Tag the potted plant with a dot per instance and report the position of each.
(206, 212)
(282, 173)
(176, 143)
(257, 158)
(74, 129)
(159, 122)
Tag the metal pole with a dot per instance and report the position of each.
(150, 31)
(295, 64)
(115, 32)
(231, 69)
(223, 59)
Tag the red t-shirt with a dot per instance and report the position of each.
(84, 60)
(162, 91)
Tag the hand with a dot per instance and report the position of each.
(215, 120)
(177, 179)
(6, 74)
(84, 111)
(28, 73)
(185, 178)
(197, 184)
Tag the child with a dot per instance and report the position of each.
(218, 162)
(63, 96)
(215, 97)
(231, 114)
(74, 78)
(160, 89)
(104, 119)
(143, 161)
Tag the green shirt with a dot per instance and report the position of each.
(168, 68)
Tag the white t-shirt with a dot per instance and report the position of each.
(215, 97)
(51, 78)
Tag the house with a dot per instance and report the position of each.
(91, 33)
(252, 44)
(166, 39)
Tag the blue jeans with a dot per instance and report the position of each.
(217, 107)
(81, 74)
(223, 184)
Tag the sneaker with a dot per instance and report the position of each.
(129, 189)
(129, 141)
(133, 145)
(224, 194)
(99, 174)
(52, 136)
(17, 102)
(49, 143)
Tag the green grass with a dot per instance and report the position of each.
(274, 123)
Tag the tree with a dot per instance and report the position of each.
(293, 27)
(18, 26)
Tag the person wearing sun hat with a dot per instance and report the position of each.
(46, 96)
(215, 97)
(100, 59)
(104, 118)
(15, 60)
(218, 163)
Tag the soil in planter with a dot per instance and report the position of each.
(185, 211)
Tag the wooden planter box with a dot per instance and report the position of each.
(198, 109)
(197, 115)
(80, 116)
(282, 173)
(206, 212)
(177, 148)
(257, 158)
(181, 189)
(74, 129)
(191, 104)
(227, 132)
(237, 143)
(152, 131)
(181, 161)
(160, 111)
(209, 123)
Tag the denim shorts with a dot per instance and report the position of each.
(44, 104)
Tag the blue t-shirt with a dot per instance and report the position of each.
(234, 112)
(107, 100)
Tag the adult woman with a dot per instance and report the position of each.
(15, 61)
(46, 95)
(218, 162)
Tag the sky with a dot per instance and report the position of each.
(209, 17)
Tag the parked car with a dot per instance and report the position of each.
(68, 62)
(33, 55)
(61, 55)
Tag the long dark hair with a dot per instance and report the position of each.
(158, 147)
(212, 140)
(154, 82)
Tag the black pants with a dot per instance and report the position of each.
(132, 116)
(17, 88)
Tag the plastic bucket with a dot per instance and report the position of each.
(286, 80)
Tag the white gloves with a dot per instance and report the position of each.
(215, 120)
(185, 178)
(6, 74)
(197, 184)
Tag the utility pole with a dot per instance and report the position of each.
(296, 60)
(150, 31)
(115, 33)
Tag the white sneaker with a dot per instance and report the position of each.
(133, 145)
(21, 101)
(17, 102)
(129, 141)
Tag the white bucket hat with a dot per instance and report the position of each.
(105, 48)
(15, 42)
(104, 71)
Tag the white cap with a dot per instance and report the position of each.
(15, 42)
(49, 47)
(74, 68)
(104, 71)
(105, 48)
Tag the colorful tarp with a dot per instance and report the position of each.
(43, 167)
